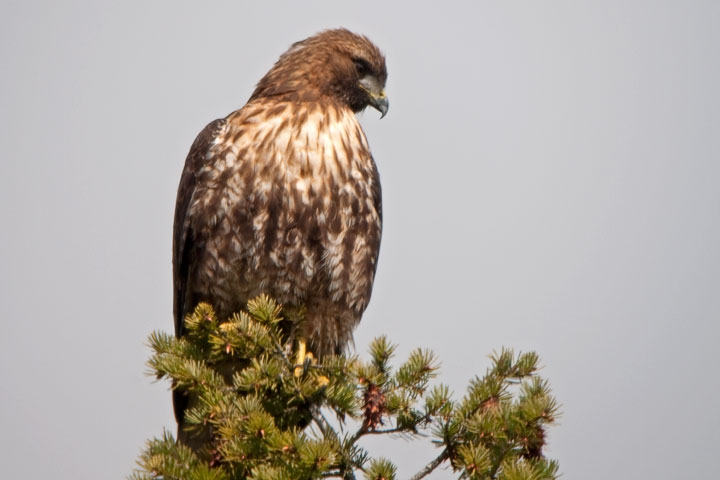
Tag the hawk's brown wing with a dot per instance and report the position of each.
(183, 247)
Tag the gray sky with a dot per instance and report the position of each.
(551, 182)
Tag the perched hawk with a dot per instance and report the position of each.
(283, 196)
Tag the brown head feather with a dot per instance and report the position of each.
(327, 65)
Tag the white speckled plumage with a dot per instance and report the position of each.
(234, 188)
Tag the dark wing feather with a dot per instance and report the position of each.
(183, 248)
(377, 202)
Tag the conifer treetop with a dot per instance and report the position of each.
(271, 423)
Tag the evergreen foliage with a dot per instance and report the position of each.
(270, 417)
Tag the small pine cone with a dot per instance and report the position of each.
(373, 407)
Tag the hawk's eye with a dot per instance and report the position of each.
(361, 66)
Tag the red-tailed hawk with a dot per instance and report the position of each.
(283, 196)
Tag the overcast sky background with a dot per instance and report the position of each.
(551, 182)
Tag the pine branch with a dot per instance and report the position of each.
(431, 466)
(259, 407)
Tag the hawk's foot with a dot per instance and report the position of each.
(300, 356)
(305, 358)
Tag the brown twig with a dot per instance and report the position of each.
(431, 466)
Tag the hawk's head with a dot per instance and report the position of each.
(335, 64)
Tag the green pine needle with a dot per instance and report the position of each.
(269, 421)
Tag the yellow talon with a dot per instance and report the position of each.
(303, 356)
(300, 359)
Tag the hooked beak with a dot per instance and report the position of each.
(376, 94)
(380, 103)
